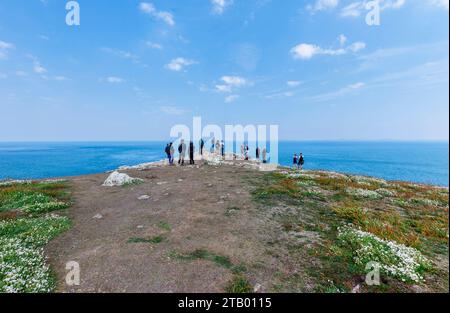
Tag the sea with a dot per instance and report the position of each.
(421, 162)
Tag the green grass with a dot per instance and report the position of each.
(34, 198)
(239, 284)
(153, 240)
(34, 231)
(164, 225)
(23, 265)
(201, 254)
(416, 216)
(231, 211)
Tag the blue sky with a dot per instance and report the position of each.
(133, 69)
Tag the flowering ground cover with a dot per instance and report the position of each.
(26, 226)
(402, 227)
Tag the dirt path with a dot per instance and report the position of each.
(190, 208)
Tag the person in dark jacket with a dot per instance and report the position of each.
(295, 161)
(202, 145)
(167, 151)
(191, 153)
(182, 151)
(257, 153)
(301, 161)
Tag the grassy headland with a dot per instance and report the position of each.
(226, 227)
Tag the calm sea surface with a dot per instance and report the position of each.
(425, 162)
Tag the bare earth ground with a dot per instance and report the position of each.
(204, 226)
(205, 208)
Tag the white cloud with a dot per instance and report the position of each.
(352, 10)
(4, 49)
(60, 78)
(179, 64)
(223, 88)
(322, 5)
(231, 98)
(293, 83)
(342, 39)
(153, 45)
(341, 92)
(230, 82)
(439, 3)
(120, 53)
(115, 80)
(171, 110)
(234, 80)
(357, 46)
(219, 6)
(357, 8)
(149, 8)
(356, 85)
(306, 51)
(38, 68)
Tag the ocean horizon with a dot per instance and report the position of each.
(414, 161)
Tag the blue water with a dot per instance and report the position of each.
(424, 162)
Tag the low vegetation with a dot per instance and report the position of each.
(352, 221)
(26, 226)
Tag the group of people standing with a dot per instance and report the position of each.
(183, 149)
(298, 161)
(217, 147)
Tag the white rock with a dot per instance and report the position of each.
(356, 289)
(257, 288)
(98, 216)
(144, 197)
(119, 179)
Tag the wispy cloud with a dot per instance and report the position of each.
(228, 83)
(179, 64)
(171, 110)
(114, 80)
(293, 83)
(231, 98)
(37, 66)
(306, 51)
(5, 47)
(153, 45)
(439, 3)
(219, 6)
(356, 9)
(149, 8)
(371, 60)
(338, 93)
(119, 53)
(322, 5)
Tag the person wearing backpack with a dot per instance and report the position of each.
(301, 162)
(167, 151)
(182, 152)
